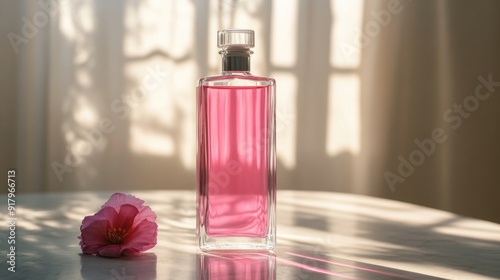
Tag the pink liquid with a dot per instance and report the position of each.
(233, 178)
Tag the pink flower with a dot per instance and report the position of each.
(123, 226)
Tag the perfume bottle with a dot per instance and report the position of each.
(236, 159)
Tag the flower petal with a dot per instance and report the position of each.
(94, 236)
(118, 199)
(106, 213)
(130, 252)
(95, 233)
(125, 218)
(145, 214)
(112, 251)
(143, 236)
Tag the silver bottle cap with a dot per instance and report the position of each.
(235, 38)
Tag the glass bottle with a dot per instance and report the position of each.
(236, 160)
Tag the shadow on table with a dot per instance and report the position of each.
(448, 241)
(305, 266)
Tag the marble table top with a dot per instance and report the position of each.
(320, 236)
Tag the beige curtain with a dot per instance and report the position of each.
(429, 76)
(396, 99)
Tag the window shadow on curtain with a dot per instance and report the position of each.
(116, 109)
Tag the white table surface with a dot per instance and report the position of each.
(320, 236)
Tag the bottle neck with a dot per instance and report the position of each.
(236, 60)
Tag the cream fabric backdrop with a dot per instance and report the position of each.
(103, 92)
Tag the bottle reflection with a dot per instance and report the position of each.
(236, 265)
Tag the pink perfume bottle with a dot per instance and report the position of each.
(236, 162)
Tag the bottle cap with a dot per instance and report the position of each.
(235, 38)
